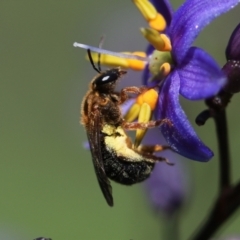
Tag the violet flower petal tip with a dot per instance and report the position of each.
(181, 136)
(200, 75)
(190, 19)
(233, 47)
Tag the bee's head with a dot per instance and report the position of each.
(105, 82)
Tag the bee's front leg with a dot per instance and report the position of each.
(131, 90)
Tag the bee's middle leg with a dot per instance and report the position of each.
(150, 124)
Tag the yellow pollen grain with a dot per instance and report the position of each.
(150, 97)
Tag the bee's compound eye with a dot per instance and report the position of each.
(106, 78)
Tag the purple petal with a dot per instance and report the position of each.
(126, 105)
(146, 72)
(233, 48)
(164, 7)
(149, 49)
(146, 75)
(191, 18)
(181, 136)
(200, 76)
(166, 188)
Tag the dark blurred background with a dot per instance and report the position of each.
(47, 182)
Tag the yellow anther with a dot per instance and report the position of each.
(150, 97)
(159, 23)
(145, 115)
(149, 12)
(109, 60)
(133, 113)
(114, 61)
(165, 69)
(168, 45)
(160, 41)
(135, 64)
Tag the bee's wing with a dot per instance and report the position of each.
(95, 147)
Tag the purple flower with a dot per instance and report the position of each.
(233, 47)
(168, 186)
(174, 67)
(232, 67)
(194, 73)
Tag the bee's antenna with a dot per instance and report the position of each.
(91, 60)
(99, 54)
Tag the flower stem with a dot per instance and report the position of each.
(223, 149)
(171, 227)
(229, 196)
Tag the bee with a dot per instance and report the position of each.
(113, 153)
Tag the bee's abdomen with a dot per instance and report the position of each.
(123, 171)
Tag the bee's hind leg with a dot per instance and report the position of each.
(153, 148)
(148, 150)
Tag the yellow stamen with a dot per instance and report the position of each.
(150, 97)
(167, 42)
(157, 59)
(135, 64)
(149, 12)
(114, 61)
(158, 23)
(160, 41)
(133, 113)
(145, 115)
(110, 60)
(165, 69)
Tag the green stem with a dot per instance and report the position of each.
(171, 227)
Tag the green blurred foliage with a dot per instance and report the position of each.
(47, 182)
